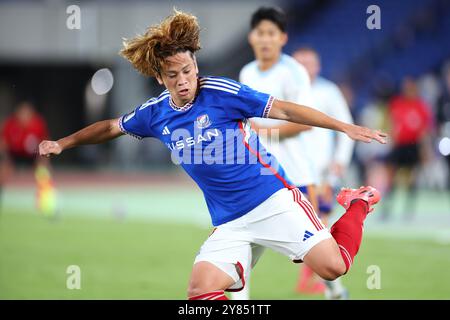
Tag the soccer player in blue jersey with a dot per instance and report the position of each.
(203, 121)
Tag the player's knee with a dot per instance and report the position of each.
(194, 291)
(333, 269)
(197, 288)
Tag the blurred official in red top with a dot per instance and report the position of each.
(22, 132)
(20, 136)
(411, 124)
(410, 116)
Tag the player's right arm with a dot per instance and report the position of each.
(96, 133)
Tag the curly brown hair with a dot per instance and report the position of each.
(179, 32)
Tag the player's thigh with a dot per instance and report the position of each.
(325, 259)
(223, 262)
(293, 229)
(303, 240)
(207, 277)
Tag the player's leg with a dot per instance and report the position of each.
(294, 228)
(335, 290)
(298, 233)
(208, 282)
(222, 264)
(325, 259)
(347, 231)
(333, 257)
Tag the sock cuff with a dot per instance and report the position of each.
(360, 202)
(213, 295)
(346, 257)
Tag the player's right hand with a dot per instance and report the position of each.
(47, 148)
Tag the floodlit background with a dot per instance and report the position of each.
(132, 221)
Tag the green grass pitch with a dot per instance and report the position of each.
(133, 259)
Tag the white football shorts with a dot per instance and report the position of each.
(286, 222)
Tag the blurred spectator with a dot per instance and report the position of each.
(443, 115)
(3, 168)
(20, 136)
(429, 89)
(370, 157)
(433, 173)
(331, 160)
(348, 94)
(410, 121)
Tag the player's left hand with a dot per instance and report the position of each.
(365, 134)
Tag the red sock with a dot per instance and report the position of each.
(213, 295)
(348, 230)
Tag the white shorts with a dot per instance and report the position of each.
(285, 222)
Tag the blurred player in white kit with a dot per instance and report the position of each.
(278, 74)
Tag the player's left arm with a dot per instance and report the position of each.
(292, 112)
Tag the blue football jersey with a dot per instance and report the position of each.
(212, 140)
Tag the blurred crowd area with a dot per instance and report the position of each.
(416, 114)
(396, 79)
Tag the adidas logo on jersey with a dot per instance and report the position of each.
(165, 131)
(307, 235)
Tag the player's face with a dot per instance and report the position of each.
(267, 40)
(310, 61)
(179, 76)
